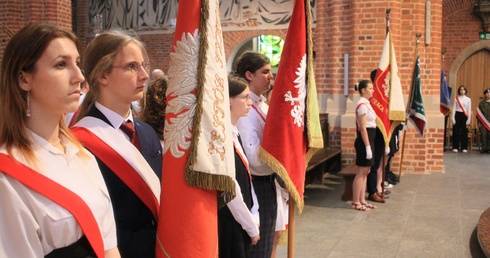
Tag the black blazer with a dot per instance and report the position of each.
(136, 226)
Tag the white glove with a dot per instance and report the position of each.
(369, 153)
(387, 150)
(468, 122)
(454, 121)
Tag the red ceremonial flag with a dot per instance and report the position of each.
(387, 100)
(293, 125)
(198, 156)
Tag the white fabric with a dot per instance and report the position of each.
(251, 128)
(466, 102)
(216, 155)
(31, 224)
(120, 143)
(115, 119)
(396, 104)
(364, 107)
(248, 219)
(282, 197)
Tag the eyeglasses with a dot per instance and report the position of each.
(246, 97)
(135, 67)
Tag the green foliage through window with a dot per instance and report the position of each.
(271, 46)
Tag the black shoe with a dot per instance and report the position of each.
(391, 181)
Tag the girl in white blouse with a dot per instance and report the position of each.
(54, 199)
(366, 131)
(238, 221)
(461, 118)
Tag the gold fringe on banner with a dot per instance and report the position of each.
(312, 125)
(198, 178)
(282, 172)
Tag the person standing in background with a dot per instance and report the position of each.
(483, 118)
(153, 106)
(255, 68)
(238, 220)
(364, 143)
(461, 118)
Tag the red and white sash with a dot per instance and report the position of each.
(105, 142)
(482, 118)
(58, 194)
(244, 160)
(461, 106)
(259, 112)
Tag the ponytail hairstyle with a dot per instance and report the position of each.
(362, 85)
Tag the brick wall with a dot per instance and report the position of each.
(16, 14)
(354, 27)
(460, 28)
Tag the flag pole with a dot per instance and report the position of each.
(291, 229)
(383, 172)
(418, 35)
(446, 117)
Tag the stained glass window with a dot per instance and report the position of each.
(271, 46)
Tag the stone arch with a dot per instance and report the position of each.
(459, 60)
(234, 41)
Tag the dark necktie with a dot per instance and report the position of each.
(128, 129)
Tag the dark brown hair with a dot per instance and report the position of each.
(153, 105)
(21, 55)
(250, 62)
(236, 85)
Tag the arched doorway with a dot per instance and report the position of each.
(475, 75)
(470, 68)
(269, 45)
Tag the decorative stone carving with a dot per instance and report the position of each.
(482, 10)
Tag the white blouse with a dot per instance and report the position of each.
(248, 219)
(466, 103)
(364, 107)
(33, 225)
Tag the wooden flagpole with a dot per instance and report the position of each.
(383, 161)
(418, 35)
(291, 229)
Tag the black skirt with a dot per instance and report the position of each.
(361, 160)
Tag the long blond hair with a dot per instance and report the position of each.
(21, 55)
(98, 60)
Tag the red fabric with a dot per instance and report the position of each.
(188, 224)
(128, 129)
(73, 118)
(379, 100)
(284, 140)
(461, 106)
(119, 166)
(58, 194)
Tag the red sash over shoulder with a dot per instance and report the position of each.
(482, 118)
(58, 194)
(119, 166)
(461, 106)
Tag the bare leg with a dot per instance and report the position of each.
(277, 236)
(359, 185)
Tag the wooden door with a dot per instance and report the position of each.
(474, 74)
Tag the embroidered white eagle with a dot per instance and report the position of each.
(181, 98)
(297, 98)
